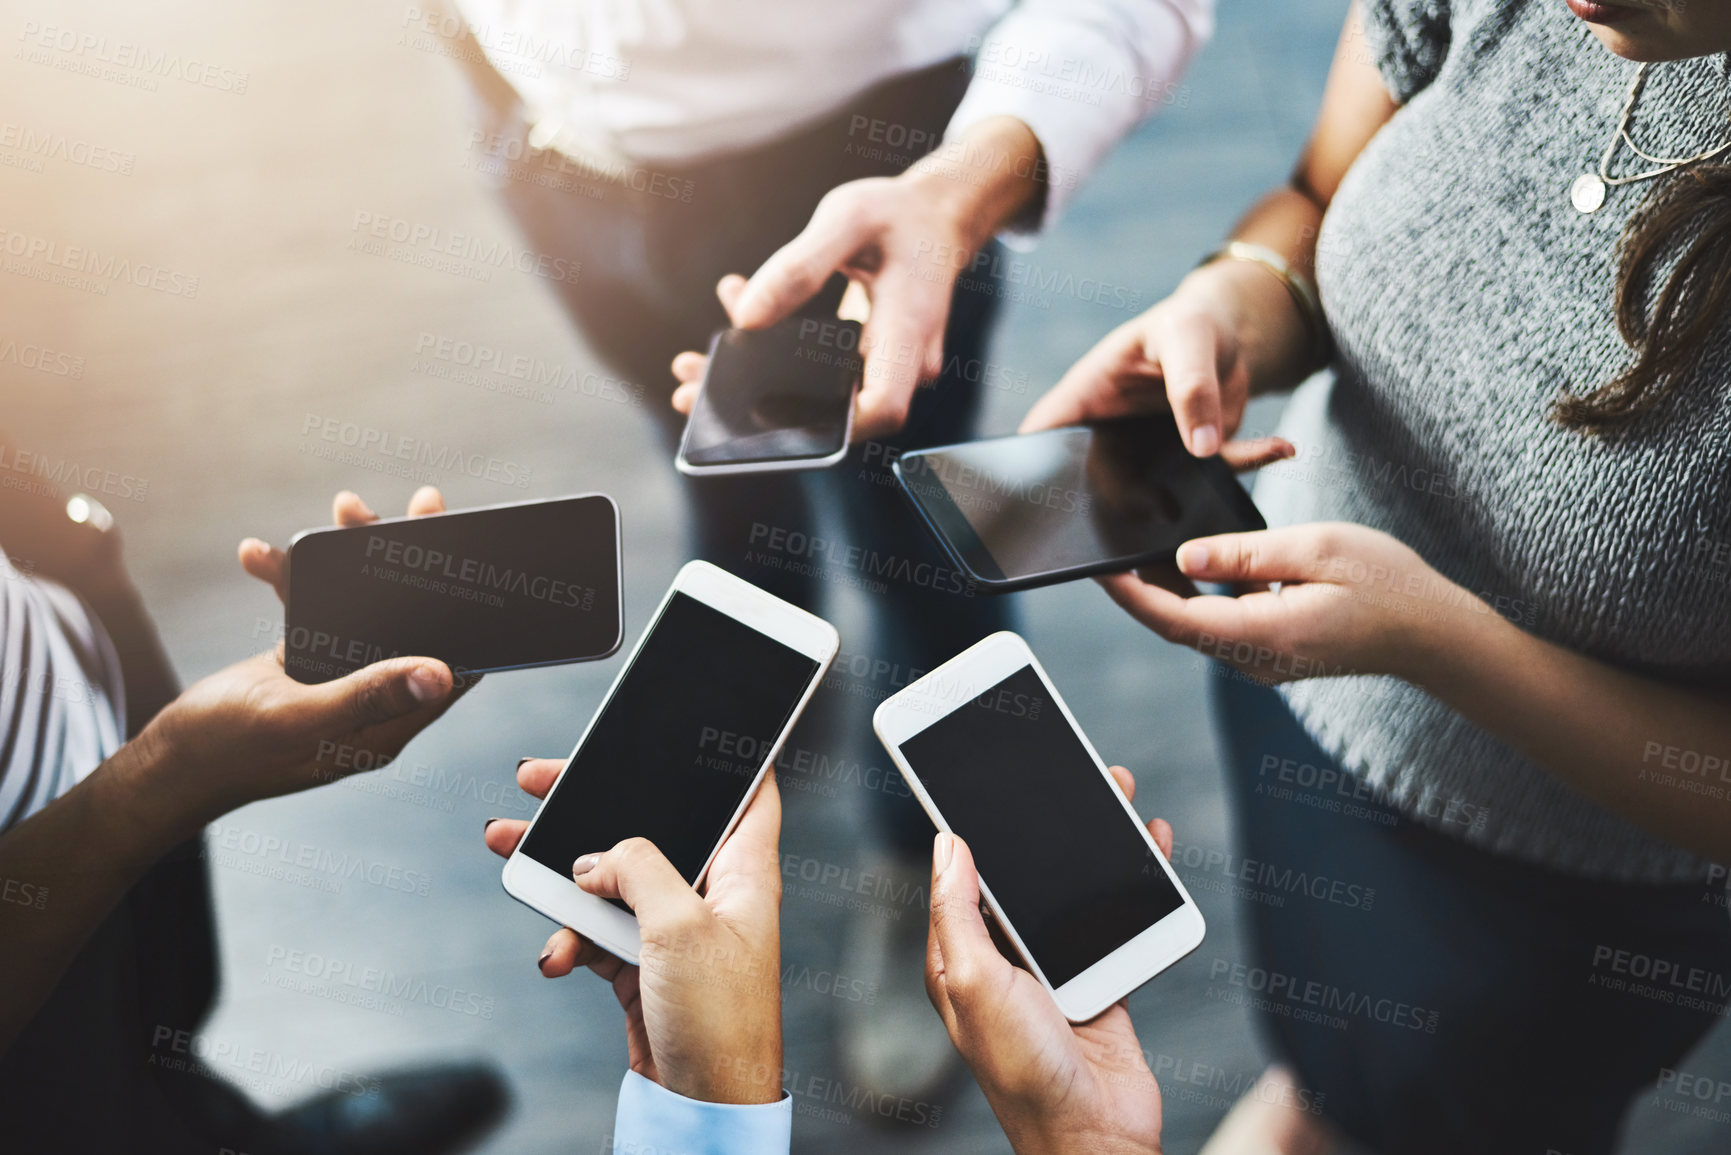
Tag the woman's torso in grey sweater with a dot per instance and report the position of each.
(1465, 292)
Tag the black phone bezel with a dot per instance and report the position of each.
(945, 520)
(715, 353)
(288, 601)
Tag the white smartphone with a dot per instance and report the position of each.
(676, 751)
(1071, 874)
(774, 399)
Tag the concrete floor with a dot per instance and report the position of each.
(207, 399)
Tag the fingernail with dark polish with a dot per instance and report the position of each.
(487, 825)
(520, 762)
(541, 963)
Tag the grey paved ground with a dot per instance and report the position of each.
(207, 399)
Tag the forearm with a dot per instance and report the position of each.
(1652, 752)
(1287, 220)
(77, 857)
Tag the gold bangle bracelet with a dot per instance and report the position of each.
(1297, 286)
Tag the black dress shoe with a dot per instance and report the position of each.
(429, 1111)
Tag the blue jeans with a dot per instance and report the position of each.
(1472, 1002)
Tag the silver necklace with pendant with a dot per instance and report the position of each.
(1588, 192)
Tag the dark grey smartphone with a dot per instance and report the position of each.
(775, 398)
(1042, 508)
(533, 583)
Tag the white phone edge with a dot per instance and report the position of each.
(556, 895)
(958, 682)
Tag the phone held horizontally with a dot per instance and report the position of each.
(678, 747)
(774, 399)
(533, 583)
(1041, 508)
(1069, 871)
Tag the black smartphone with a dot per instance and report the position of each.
(505, 587)
(775, 398)
(1042, 508)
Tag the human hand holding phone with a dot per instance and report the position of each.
(250, 731)
(245, 733)
(703, 1010)
(902, 242)
(1054, 1086)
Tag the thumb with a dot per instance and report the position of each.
(639, 875)
(381, 692)
(965, 953)
(795, 272)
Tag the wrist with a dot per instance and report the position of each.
(983, 180)
(1439, 647)
(747, 1079)
(155, 778)
(145, 816)
(1253, 303)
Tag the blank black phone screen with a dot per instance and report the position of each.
(674, 750)
(1072, 873)
(486, 589)
(1121, 493)
(775, 394)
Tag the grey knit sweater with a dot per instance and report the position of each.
(1464, 292)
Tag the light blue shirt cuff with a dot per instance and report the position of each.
(651, 1120)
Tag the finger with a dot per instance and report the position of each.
(1155, 607)
(746, 875)
(378, 693)
(1244, 456)
(426, 502)
(1126, 781)
(567, 950)
(1162, 832)
(685, 397)
(904, 348)
(940, 999)
(969, 960)
(728, 291)
(503, 834)
(1167, 576)
(266, 563)
(1189, 361)
(1292, 553)
(796, 271)
(1190, 621)
(1000, 940)
(348, 510)
(688, 367)
(640, 876)
(1115, 378)
(537, 775)
(559, 956)
(855, 303)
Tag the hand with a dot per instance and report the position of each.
(1229, 330)
(1348, 600)
(703, 1011)
(250, 731)
(901, 241)
(1054, 1087)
